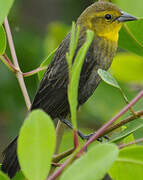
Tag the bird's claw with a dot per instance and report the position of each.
(87, 137)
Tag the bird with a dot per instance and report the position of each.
(105, 19)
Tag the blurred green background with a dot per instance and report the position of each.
(38, 27)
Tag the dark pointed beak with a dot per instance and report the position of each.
(126, 17)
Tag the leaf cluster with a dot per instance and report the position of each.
(37, 137)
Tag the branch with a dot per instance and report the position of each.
(123, 122)
(94, 137)
(109, 123)
(60, 169)
(10, 66)
(33, 72)
(63, 166)
(59, 157)
(59, 134)
(75, 137)
(15, 61)
(105, 0)
(130, 143)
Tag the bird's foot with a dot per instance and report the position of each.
(87, 137)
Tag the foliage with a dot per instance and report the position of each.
(129, 164)
(3, 176)
(5, 7)
(36, 144)
(91, 163)
(75, 69)
(37, 137)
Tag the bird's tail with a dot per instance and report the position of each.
(10, 163)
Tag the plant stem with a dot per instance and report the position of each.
(94, 137)
(15, 61)
(109, 123)
(59, 157)
(130, 143)
(60, 169)
(59, 134)
(8, 64)
(127, 101)
(75, 137)
(64, 165)
(123, 122)
(33, 72)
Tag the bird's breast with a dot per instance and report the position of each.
(99, 55)
(103, 52)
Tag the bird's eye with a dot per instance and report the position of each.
(108, 16)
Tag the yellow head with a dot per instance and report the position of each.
(105, 19)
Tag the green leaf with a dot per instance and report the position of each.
(19, 176)
(3, 176)
(108, 78)
(129, 138)
(131, 127)
(36, 144)
(131, 37)
(4, 9)
(129, 165)
(74, 35)
(2, 40)
(75, 75)
(46, 63)
(72, 45)
(92, 165)
(127, 67)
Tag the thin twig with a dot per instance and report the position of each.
(7, 58)
(64, 165)
(33, 72)
(94, 137)
(123, 122)
(56, 164)
(59, 134)
(15, 61)
(60, 169)
(75, 137)
(109, 123)
(127, 101)
(62, 155)
(10, 66)
(130, 143)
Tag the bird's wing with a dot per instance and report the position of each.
(51, 95)
(52, 92)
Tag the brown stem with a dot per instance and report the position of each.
(130, 143)
(94, 137)
(63, 166)
(10, 66)
(123, 122)
(60, 169)
(15, 61)
(75, 135)
(59, 157)
(109, 123)
(7, 58)
(56, 164)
